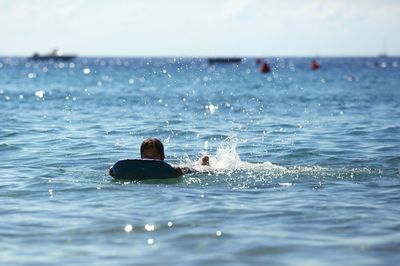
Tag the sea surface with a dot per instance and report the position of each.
(305, 165)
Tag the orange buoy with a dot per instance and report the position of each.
(265, 68)
(314, 64)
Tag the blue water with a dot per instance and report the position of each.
(305, 165)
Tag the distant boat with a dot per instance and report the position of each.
(55, 55)
(314, 65)
(383, 54)
(264, 68)
(225, 60)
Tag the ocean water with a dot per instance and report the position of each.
(305, 165)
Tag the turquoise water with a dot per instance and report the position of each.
(305, 165)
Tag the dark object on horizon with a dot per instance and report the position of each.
(264, 68)
(55, 55)
(224, 60)
(258, 61)
(314, 65)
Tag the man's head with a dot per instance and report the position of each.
(152, 148)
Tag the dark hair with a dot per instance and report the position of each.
(152, 142)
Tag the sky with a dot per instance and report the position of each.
(201, 27)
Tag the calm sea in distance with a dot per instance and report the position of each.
(305, 165)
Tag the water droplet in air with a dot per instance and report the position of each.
(149, 227)
(40, 93)
(211, 108)
(86, 71)
(128, 228)
(31, 75)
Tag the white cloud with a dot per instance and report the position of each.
(232, 8)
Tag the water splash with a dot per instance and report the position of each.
(226, 167)
(226, 158)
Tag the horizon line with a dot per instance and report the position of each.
(216, 56)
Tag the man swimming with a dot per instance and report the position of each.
(153, 148)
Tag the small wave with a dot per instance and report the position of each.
(7, 147)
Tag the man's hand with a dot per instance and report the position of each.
(178, 171)
(205, 160)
